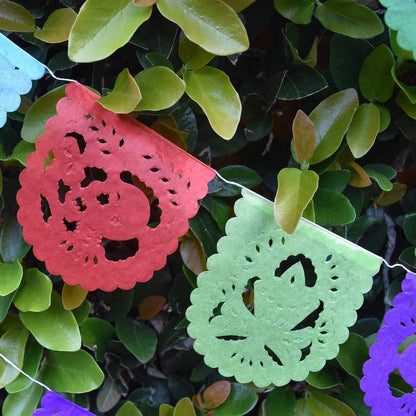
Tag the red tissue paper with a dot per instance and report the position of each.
(105, 198)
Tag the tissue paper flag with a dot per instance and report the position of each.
(17, 70)
(394, 351)
(104, 198)
(272, 307)
(55, 405)
(401, 16)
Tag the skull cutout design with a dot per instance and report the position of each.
(104, 198)
(393, 358)
(272, 307)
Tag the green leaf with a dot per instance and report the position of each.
(213, 91)
(402, 71)
(102, 27)
(32, 358)
(353, 354)
(128, 409)
(363, 129)
(332, 208)
(298, 11)
(12, 245)
(349, 18)
(323, 404)
(73, 296)
(409, 227)
(15, 18)
(21, 151)
(125, 95)
(54, 328)
(34, 294)
(193, 55)
(5, 302)
(302, 408)
(240, 401)
(95, 333)
(335, 180)
(139, 339)
(12, 346)
(108, 396)
(325, 378)
(166, 410)
(376, 81)
(214, 26)
(385, 117)
(331, 118)
(404, 102)
(298, 82)
(281, 402)
(57, 27)
(39, 113)
(184, 408)
(11, 276)
(381, 174)
(22, 403)
(295, 189)
(304, 137)
(346, 59)
(160, 88)
(72, 372)
(352, 395)
(240, 174)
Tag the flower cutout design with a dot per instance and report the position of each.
(272, 307)
(104, 198)
(55, 405)
(394, 355)
(17, 69)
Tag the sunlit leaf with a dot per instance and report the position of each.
(57, 27)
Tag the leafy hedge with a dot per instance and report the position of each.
(232, 82)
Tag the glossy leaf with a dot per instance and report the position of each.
(57, 27)
(295, 189)
(349, 18)
(166, 410)
(363, 130)
(325, 378)
(193, 55)
(216, 394)
(353, 354)
(239, 5)
(22, 403)
(39, 113)
(124, 97)
(214, 26)
(73, 296)
(103, 26)
(34, 282)
(12, 245)
(391, 197)
(10, 277)
(336, 180)
(108, 396)
(281, 402)
(128, 409)
(54, 328)
(404, 102)
(297, 11)
(400, 72)
(331, 118)
(240, 174)
(192, 254)
(332, 208)
(409, 227)
(213, 91)
(12, 346)
(323, 404)
(160, 88)
(95, 333)
(14, 17)
(381, 174)
(184, 408)
(144, 3)
(72, 372)
(240, 401)
(376, 81)
(304, 137)
(137, 338)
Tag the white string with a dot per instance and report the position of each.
(23, 373)
(322, 229)
(57, 78)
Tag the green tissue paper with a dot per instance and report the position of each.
(272, 306)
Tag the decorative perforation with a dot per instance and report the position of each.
(55, 405)
(104, 198)
(393, 358)
(17, 69)
(272, 306)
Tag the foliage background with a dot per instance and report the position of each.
(129, 349)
